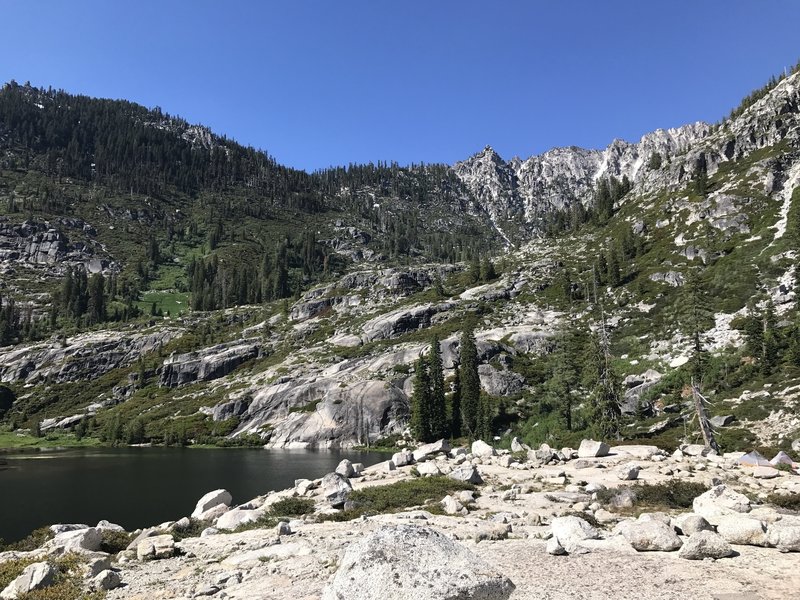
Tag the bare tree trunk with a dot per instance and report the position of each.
(702, 418)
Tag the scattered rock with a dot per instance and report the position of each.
(705, 544)
(785, 538)
(402, 458)
(718, 501)
(400, 562)
(571, 530)
(75, 541)
(721, 420)
(690, 523)
(466, 473)
(106, 580)
(428, 469)
(628, 472)
(236, 518)
(283, 528)
(554, 547)
(160, 546)
(441, 446)
(345, 468)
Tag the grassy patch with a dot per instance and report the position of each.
(787, 501)
(292, 507)
(397, 496)
(661, 496)
(11, 440)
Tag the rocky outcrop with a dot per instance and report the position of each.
(399, 562)
(81, 357)
(207, 364)
(325, 413)
(35, 577)
(403, 320)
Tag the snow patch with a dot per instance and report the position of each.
(788, 188)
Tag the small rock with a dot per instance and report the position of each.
(106, 580)
(430, 449)
(451, 506)
(766, 473)
(785, 538)
(742, 530)
(160, 546)
(209, 531)
(402, 458)
(690, 523)
(466, 473)
(428, 469)
(571, 530)
(554, 547)
(628, 472)
(283, 528)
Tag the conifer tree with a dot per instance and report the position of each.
(614, 277)
(438, 403)
(421, 402)
(454, 409)
(470, 384)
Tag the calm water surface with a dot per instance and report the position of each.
(139, 487)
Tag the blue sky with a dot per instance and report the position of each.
(319, 82)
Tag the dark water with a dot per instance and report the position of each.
(139, 487)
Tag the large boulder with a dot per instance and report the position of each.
(593, 449)
(402, 458)
(336, 489)
(482, 449)
(345, 468)
(571, 530)
(400, 562)
(429, 449)
(640, 451)
(81, 540)
(237, 517)
(705, 544)
(649, 535)
(106, 580)
(742, 530)
(34, 577)
(719, 501)
(785, 538)
(210, 500)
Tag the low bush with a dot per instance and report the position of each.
(292, 507)
(114, 542)
(33, 541)
(668, 495)
(397, 496)
(787, 501)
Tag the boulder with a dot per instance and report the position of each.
(705, 544)
(213, 513)
(482, 449)
(34, 577)
(690, 523)
(628, 472)
(721, 420)
(765, 473)
(399, 562)
(430, 449)
(742, 530)
(571, 530)
(336, 489)
(109, 526)
(345, 468)
(64, 527)
(694, 450)
(211, 500)
(402, 458)
(106, 580)
(593, 449)
(428, 469)
(81, 540)
(517, 446)
(466, 473)
(718, 501)
(283, 528)
(649, 535)
(236, 518)
(156, 547)
(785, 538)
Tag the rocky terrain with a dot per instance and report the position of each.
(540, 523)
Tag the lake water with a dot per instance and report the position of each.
(140, 487)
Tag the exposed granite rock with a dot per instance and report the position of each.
(207, 364)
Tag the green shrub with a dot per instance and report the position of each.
(292, 507)
(787, 501)
(33, 541)
(668, 495)
(397, 496)
(115, 541)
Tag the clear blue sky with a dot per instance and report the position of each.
(327, 82)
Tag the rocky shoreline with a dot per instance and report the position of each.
(540, 523)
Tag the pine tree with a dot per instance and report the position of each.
(470, 384)
(454, 409)
(614, 277)
(438, 402)
(421, 402)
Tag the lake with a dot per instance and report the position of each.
(140, 487)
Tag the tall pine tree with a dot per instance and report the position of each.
(470, 384)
